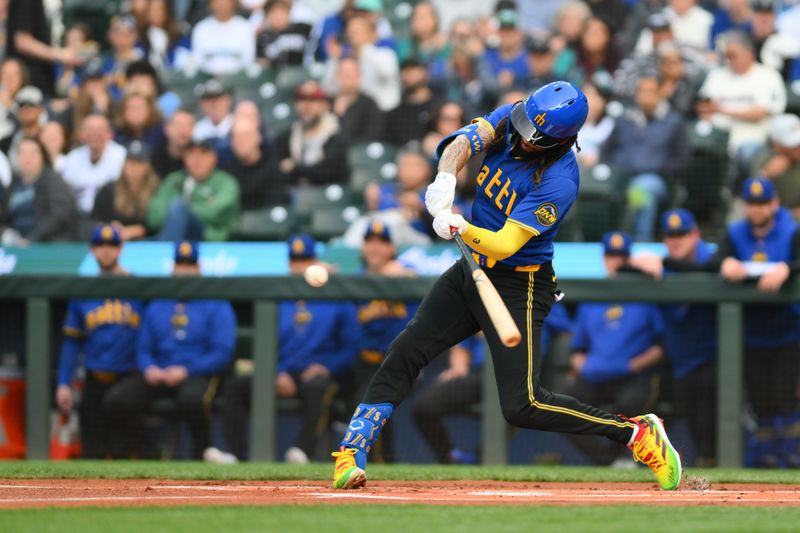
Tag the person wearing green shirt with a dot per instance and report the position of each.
(199, 202)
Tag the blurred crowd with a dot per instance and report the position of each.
(219, 120)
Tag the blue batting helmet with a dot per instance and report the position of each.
(556, 110)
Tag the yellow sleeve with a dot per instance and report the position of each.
(500, 244)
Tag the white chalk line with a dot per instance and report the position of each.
(142, 498)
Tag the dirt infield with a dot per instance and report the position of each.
(101, 492)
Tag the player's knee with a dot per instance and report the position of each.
(522, 414)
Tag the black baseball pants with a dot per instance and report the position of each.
(453, 311)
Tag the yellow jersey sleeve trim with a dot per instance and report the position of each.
(73, 332)
(500, 244)
(484, 122)
(524, 226)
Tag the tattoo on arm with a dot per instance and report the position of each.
(455, 156)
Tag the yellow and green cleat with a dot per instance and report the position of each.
(652, 448)
(346, 473)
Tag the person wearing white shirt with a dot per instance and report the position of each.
(789, 22)
(215, 125)
(224, 42)
(97, 162)
(690, 23)
(380, 71)
(741, 97)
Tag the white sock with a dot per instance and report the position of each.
(633, 435)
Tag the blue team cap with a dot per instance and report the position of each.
(302, 247)
(758, 190)
(378, 229)
(186, 252)
(106, 234)
(677, 222)
(617, 243)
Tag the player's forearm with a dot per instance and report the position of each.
(497, 244)
(455, 155)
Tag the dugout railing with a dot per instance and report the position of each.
(263, 293)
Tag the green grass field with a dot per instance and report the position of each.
(387, 518)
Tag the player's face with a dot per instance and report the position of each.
(682, 246)
(760, 214)
(106, 255)
(186, 269)
(376, 253)
(299, 266)
(614, 263)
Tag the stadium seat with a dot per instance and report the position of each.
(705, 177)
(246, 84)
(600, 204)
(273, 223)
(370, 162)
(793, 97)
(331, 222)
(182, 84)
(289, 78)
(308, 200)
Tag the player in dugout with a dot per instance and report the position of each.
(104, 331)
(183, 348)
(528, 182)
(764, 246)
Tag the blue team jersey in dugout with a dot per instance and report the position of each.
(104, 331)
(381, 321)
(768, 326)
(505, 190)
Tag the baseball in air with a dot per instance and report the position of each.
(316, 275)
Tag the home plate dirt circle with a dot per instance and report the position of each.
(104, 492)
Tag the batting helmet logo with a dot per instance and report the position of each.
(546, 214)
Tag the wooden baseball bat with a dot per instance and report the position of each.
(501, 319)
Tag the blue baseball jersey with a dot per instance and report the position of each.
(197, 334)
(505, 191)
(104, 331)
(380, 321)
(322, 332)
(557, 322)
(768, 326)
(690, 338)
(612, 334)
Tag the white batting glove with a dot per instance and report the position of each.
(445, 221)
(441, 193)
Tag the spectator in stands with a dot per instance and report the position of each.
(223, 42)
(541, 61)
(97, 161)
(103, 331)
(123, 36)
(31, 114)
(764, 246)
(661, 149)
(13, 77)
(255, 168)
(773, 48)
(464, 36)
(425, 42)
(732, 15)
(414, 172)
(741, 97)
(789, 21)
(28, 38)
(445, 120)
(182, 349)
(691, 26)
(508, 61)
(54, 139)
(597, 51)
(198, 202)
(408, 121)
(598, 126)
(330, 33)
(167, 156)
(216, 104)
(313, 151)
(78, 37)
(358, 114)
(379, 68)
(612, 12)
(141, 78)
(467, 80)
(689, 339)
(37, 206)
(280, 42)
(680, 79)
(123, 203)
(380, 321)
(615, 349)
(167, 46)
(779, 162)
(93, 96)
(138, 119)
(570, 23)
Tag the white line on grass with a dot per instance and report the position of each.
(112, 498)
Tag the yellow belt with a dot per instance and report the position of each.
(372, 357)
(104, 377)
(490, 263)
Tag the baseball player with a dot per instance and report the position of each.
(104, 331)
(527, 183)
(689, 339)
(183, 347)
